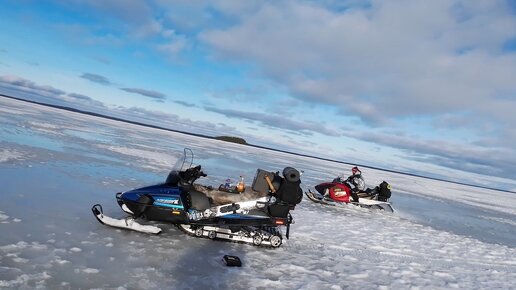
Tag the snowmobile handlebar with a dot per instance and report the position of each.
(351, 177)
(192, 174)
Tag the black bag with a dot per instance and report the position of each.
(290, 192)
(279, 210)
(385, 191)
(232, 261)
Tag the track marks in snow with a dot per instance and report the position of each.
(87, 271)
(23, 280)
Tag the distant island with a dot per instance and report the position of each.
(232, 139)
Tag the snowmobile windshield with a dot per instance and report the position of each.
(183, 162)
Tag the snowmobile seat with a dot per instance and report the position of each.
(199, 200)
(373, 191)
(368, 193)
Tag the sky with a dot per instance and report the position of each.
(418, 86)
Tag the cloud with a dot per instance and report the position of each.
(185, 104)
(137, 19)
(102, 59)
(91, 36)
(157, 96)
(130, 10)
(20, 87)
(175, 122)
(96, 78)
(148, 29)
(277, 122)
(241, 93)
(388, 60)
(78, 98)
(174, 47)
(191, 17)
(119, 23)
(11, 81)
(23, 88)
(466, 157)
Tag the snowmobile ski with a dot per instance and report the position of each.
(128, 223)
(374, 204)
(318, 198)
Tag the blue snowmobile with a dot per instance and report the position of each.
(197, 210)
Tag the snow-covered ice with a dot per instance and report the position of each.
(55, 165)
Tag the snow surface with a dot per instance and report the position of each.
(55, 165)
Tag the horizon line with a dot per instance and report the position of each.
(93, 114)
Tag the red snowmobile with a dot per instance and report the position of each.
(352, 190)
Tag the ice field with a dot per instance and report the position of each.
(54, 165)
